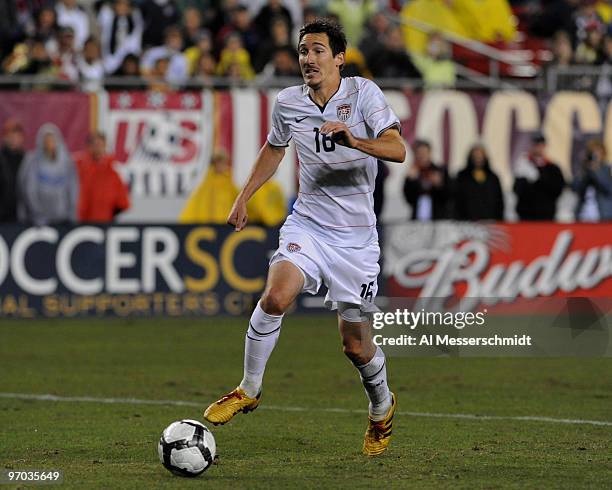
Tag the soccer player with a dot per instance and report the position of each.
(340, 127)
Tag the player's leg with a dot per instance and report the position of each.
(285, 282)
(370, 361)
(368, 358)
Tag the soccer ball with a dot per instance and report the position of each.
(186, 448)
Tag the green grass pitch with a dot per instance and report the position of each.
(100, 445)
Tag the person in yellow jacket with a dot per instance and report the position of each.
(211, 201)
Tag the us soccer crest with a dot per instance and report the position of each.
(343, 112)
(293, 247)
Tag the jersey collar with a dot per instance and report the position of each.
(306, 93)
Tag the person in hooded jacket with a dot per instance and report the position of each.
(478, 193)
(48, 186)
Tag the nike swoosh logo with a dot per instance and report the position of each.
(300, 119)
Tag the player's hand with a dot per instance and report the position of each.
(340, 133)
(238, 216)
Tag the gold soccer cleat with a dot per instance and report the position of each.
(222, 411)
(378, 433)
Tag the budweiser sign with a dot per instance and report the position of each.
(498, 263)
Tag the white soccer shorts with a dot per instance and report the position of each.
(350, 274)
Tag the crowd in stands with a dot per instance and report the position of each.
(173, 42)
(476, 193)
(164, 44)
(48, 185)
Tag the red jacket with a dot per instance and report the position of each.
(102, 192)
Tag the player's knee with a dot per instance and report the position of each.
(274, 302)
(356, 351)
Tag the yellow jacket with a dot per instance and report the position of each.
(211, 201)
(241, 58)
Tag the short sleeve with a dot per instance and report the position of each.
(280, 133)
(376, 111)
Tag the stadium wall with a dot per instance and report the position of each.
(163, 141)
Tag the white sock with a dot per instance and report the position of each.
(374, 379)
(261, 337)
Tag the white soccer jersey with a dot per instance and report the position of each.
(336, 185)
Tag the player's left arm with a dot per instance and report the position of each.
(389, 145)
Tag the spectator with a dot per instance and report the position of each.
(426, 187)
(206, 70)
(297, 9)
(64, 57)
(585, 17)
(90, 66)
(103, 194)
(130, 68)
(436, 65)
(38, 62)
(11, 156)
(191, 27)
(158, 16)
(283, 64)
(9, 27)
(202, 46)
(240, 23)
(563, 53)
(157, 79)
(393, 60)
(121, 28)
(538, 183)
(235, 61)
(47, 183)
(46, 28)
(355, 64)
(211, 201)
(69, 14)
(27, 15)
(593, 184)
(310, 14)
(280, 37)
(478, 193)
(177, 65)
(373, 40)
(563, 57)
(268, 13)
(352, 15)
(589, 50)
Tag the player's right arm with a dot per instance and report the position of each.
(266, 163)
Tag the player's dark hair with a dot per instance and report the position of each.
(335, 34)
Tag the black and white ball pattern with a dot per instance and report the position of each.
(187, 448)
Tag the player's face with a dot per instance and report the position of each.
(317, 62)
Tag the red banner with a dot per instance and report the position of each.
(71, 112)
(501, 262)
